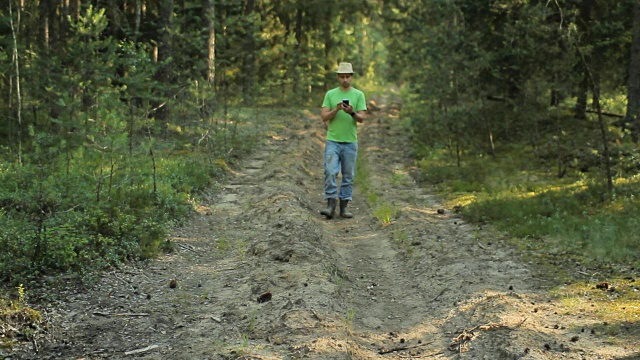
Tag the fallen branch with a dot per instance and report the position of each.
(432, 354)
(467, 335)
(437, 296)
(138, 351)
(123, 280)
(419, 356)
(315, 314)
(186, 247)
(402, 348)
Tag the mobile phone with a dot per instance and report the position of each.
(345, 101)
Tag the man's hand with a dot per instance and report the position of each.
(346, 108)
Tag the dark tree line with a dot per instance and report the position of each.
(561, 76)
(255, 50)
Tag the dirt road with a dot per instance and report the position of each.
(261, 275)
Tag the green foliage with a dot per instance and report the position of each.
(572, 215)
(385, 213)
(16, 314)
(93, 206)
(482, 76)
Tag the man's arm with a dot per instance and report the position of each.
(360, 116)
(328, 114)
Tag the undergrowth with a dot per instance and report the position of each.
(18, 321)
(86, 209)
(572, 216)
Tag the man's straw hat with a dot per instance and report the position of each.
(345, 68)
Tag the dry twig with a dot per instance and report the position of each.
(459, 342)
(138, 351)
(99, 313)
(402, 348)
(439, 294)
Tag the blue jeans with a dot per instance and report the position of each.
(339, 157)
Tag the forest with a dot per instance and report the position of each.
(118, 114)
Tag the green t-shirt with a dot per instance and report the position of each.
(344, 128)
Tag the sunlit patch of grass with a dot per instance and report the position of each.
(611, 302)
(572, 215)
(460, 200)
(18, 321)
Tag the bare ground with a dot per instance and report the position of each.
(261, 275)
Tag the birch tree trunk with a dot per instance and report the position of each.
(18, 94)
(211, 43)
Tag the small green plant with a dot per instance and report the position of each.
(336, 275)
(385, 213)
(349, 319)
(223, 244)
(251, 325)
(402, 239)
(226, 245)
(17, 314)
(244, 344)
(372, 198)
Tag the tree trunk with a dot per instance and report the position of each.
(328, 46)
(112, 15)
(164, 49)
(45, 23)
(18, 92)
(584, 20)
(605, 141)
(211, 43)
(75, 4)
(138, 18)
(248, 62)
(632, 116)
(164, 43)
(595, 87)
(581, 102)
(298, 50)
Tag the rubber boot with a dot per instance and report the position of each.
(343, 209)
(330, 210)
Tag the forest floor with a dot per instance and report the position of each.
(260, 274)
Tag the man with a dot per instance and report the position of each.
(342, 109)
